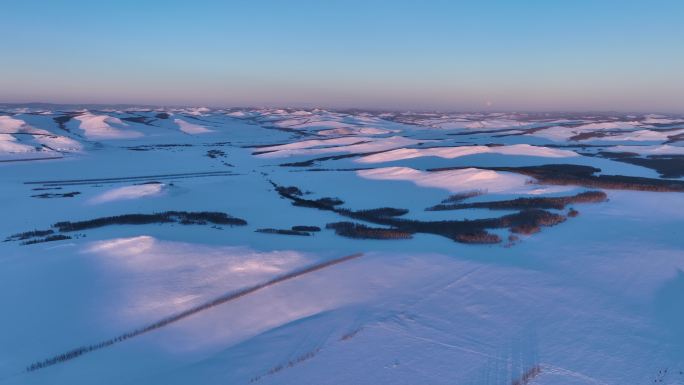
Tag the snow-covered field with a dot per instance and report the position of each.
(180, 246)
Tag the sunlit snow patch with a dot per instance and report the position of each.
(9, 124)
(100, 127)
(163, 277)
(190, 128)
(8, 145)
(128, 193)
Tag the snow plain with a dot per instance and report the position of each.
(596, 299)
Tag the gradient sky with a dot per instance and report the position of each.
(450, 55)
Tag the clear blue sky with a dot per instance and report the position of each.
(451, 55)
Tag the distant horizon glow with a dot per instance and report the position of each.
(442, 55)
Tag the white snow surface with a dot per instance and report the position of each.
(128, 192)
(9, 124)
(102, 127)
(191, 128)
(596, 299)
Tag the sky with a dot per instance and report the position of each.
(444, 55)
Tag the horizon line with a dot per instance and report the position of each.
(307, 106)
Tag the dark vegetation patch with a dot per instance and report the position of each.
(668, 166)
(264, 145)
(56, 195)
(382, 212)
(675, 138)
(181, 217)
(63, 120)
(531, 221)
(28, 235)
(527, 376)
(579, 175)
(478, 237)
(572, 213)
(263, 152)
(291, 190)
(460, 197)
(477, 132)
(557, 203)
(283, 232)
(29, 159)
(360, 231)
(51, 238)
(289, 364)
(162, 115)
(148, 147)
(139, 119)
(311, 162)
(309, 229)
(613, 155)
(321, 203)
(466, 231)
(588, 135)
(216, 154)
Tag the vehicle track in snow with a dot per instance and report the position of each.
(69, 182)
(77, 352)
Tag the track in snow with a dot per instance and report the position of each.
(70, 182)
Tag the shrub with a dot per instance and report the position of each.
(462, 196)
(29, 234)
(359, 231)
(56, 195)
(51, 238)
(283, 232)
(457, 230)
(62, 121)
(306, 228)
(137, 119)
(215, 154)
(288, 191)
(558, 203)
(381, 212)
(182, 217)
(526, 228)
(477, 237)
